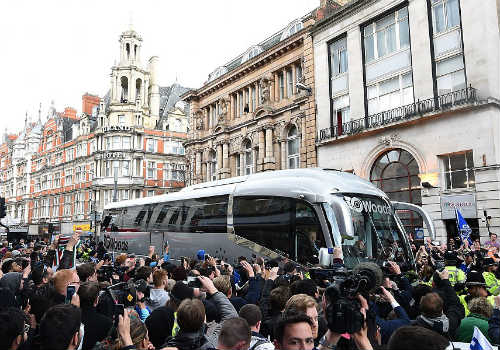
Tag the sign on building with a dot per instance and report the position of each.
(466, 203)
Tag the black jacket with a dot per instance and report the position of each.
(96, 327)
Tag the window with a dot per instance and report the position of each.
(248, 158)
(125, 194)
(289, 83)
(44, 182)
(121, 120)
(57, 180)
(37, 184)
(125, 168)
(151, 193)
(58, 158)
(78, 174)
(281, 83)
(55, 207)
(459, 170)
(151, 145)
(107, 168)
(126, 142)
(139, 142)
(293, 142)
(212, 166)
(447, 41)
(445, 15)
(151, 170)
(35, 209)
(338, 57)
(341, 113)
(67, 205)
(68, 177)
(213, 115)
(238, 165)
(298, 72)
(396, 173)
(116, 167)
(386, 35)
(70, 154)
(240, 102)
(116, 142)
(390, 93)
(254, 101)
(288, 226)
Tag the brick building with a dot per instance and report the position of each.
(64, 169)
(257, 112)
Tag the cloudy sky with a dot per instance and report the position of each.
(59, 49)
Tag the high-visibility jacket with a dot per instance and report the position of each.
(455, 275)
(465, 298)
(492, 283)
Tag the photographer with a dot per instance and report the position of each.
(400, 318)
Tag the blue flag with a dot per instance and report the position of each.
(479, 341)
(463, 228)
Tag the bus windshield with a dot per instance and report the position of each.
(377, 235)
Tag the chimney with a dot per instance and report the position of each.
(327, 7)
(70, 113)
(89, 102)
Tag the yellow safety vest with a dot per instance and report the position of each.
(490, 298)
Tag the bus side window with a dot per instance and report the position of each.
(309, 235)
(265, 221)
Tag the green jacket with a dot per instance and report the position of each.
(466, 329)
(493, 285)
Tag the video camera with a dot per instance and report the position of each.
(125, 293)
(106, 273)
(343, 311)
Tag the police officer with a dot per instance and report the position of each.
(476, 288)
(492, 283)
(456, 276)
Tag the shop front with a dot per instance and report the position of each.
(466, 204)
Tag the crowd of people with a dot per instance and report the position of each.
(201, 302)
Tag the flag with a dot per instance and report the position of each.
(463, 228)
(61, 245)
(479, 341)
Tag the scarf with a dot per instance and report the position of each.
(435, 321)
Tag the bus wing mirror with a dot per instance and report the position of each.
(343, 216)
(429, 224)
(325, 258)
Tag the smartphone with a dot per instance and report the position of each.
(207, 256)
(118, 309)
(70, 291)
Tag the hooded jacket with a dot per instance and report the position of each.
(157, 298)
(200, 340)
(467, 325)
(11, 281)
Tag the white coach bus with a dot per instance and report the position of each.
(299, 214)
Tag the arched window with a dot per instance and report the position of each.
(247, 148)
(396, 173)
(127, 48)
(124, 86)
(251, 53)
(293, 148)
(212, 166)
(292, 28)
(135, 52)
(138, 86)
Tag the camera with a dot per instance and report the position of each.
(123, 293)
(343, 311)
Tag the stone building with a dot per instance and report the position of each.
(63, 170)
(252, 114)
(408, 96)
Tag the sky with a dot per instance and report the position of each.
(57, 50)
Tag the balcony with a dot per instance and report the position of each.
(399, 115)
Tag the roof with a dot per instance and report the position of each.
(264, 45)
(314, 184)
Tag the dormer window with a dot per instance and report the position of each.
(293, 28)
(220, 71)
(252, 52)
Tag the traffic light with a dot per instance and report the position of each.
(3, 209)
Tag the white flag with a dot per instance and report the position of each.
(479, 341)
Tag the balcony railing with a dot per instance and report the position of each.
(400, 114)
